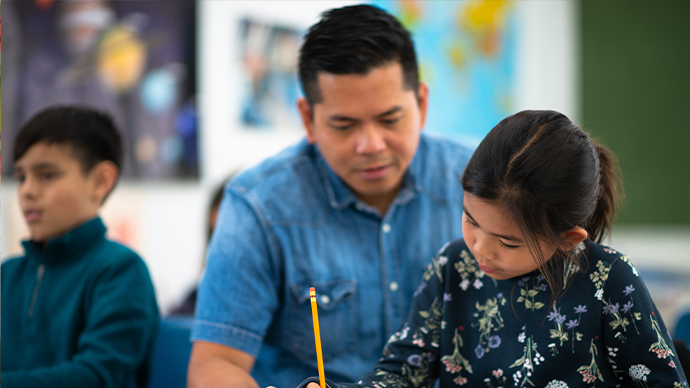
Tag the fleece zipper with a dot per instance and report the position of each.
(39, 278)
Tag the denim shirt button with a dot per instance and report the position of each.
(325, 299)
(393, 286)
(386, 228)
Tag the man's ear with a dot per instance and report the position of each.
(574, 236)
(422, 101)
(307, 116)
(103, 177)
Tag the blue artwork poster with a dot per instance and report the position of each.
(467, 55)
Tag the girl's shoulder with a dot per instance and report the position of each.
(597, 251)
(453, 250)
(600, 257)
(455, 245)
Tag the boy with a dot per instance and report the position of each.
(78, 310)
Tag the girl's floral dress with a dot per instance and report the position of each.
(469, 330)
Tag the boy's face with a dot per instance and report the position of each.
(367, 127)
(54, 193)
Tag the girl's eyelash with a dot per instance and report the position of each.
(469, 221)
(507, 246)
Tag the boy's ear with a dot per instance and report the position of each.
(103, 177)
(574, 236)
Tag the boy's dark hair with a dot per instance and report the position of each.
(92, 135)
(549, 176)
(355, 40)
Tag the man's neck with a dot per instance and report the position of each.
(381, 201)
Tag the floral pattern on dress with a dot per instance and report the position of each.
(626, 259)
(455, 362)
(603, 331)
(468, 268)
(599, 277)
(529, 292)
(489, 321)
(591, 372)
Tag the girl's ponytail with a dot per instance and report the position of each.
(610, 188)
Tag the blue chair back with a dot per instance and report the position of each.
(171, 353)
(681, 341)
(682, 330)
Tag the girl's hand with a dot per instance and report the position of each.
(310, 385)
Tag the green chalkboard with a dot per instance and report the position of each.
(636, 99)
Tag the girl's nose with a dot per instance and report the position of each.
(482, 246)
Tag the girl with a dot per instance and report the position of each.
(530, 298)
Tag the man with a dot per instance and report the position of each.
(357, 211)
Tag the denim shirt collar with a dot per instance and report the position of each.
(68, 246)
(340, 196)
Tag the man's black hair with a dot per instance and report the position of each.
(355, 40)
(91, 134)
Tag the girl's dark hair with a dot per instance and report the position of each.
(550, 176)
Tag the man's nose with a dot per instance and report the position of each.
(371, 139)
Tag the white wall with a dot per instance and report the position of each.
(169, 219)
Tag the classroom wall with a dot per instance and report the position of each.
(635, 97)
(166, 221)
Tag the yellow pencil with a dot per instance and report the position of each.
(317, 336)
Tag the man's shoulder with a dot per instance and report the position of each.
(438, 167)
(286, 186)
(286, 166)
(444, 151)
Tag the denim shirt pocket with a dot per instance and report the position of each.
(337, 309)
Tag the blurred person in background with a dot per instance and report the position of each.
(189, 302)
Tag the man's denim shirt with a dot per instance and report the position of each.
(290, 224)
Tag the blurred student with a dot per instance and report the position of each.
(187, 305)
(530, 297)
(356, 210)
(78, 310)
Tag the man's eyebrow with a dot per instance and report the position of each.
(340, 118)
(337, 117)
(509, 238)
(390, 111)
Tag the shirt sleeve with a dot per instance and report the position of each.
(239, 292)
(411, 356)
(121, 323)
(640, 348)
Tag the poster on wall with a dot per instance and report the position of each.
(132, 59)
(467, 55)
(269, 87)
